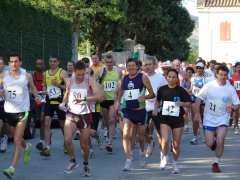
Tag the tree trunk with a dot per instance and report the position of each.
(75, 38)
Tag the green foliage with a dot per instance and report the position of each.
(31, 29)
(192, 56)
(162, 26)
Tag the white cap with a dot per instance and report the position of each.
(200, 64)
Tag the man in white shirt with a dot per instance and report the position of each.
(220, 99)
(157, 80)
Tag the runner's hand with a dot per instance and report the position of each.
(229, 108)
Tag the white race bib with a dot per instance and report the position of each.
(14, 94)
(170, 109)
(54, 92)
(75, 95)
(217, 108)
(110, 86)
(237, 85)
(195, 90)
(132, 94)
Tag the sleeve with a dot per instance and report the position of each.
(203, 92)
(185, 96)
(235, 98)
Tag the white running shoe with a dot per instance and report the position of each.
(175, 168)
(163, 163)
(127, 166)
(236, 131)
(142, 159)
(71, 166)
(149, 150)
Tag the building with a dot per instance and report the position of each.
(219, 30)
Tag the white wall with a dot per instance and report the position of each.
(210, 45)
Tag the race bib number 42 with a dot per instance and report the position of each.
(110, 86)
(132, 94)
(54, 92)
(170, 109)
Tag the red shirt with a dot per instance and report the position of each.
(235, 81)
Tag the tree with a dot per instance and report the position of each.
(162, 26)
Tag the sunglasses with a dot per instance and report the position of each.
(198, 67)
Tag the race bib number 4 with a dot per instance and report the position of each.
(14, 93)
(217, 108)
(54, 92)
(170, 109)
(237, 85)
(132, 94)
(110, 86)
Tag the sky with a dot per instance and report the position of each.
(191, 6)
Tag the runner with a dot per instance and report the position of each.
(38, 110)
(16, 85)
(171, 99)
(235, 81)
(78, 94)
(109, 79)
(197, 82)
(157, 80)
(132, 90)
(55, 80)
(3, 125)
(220, 98)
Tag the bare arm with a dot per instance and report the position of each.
(148, 86)
(32, 87)
(97, 92)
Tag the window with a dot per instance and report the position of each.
(225, 31)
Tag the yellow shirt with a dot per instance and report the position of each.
(55, 94)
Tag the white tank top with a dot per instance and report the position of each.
(78, 91)
(16, 93)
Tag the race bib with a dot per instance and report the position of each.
(195, 90)
(132, 94)
(54, 92)
(237, 85)
(14, 94)
(110, 86)
(217, 107)
(170, 109)
(77, 94)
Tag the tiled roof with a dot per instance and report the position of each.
(218, 3)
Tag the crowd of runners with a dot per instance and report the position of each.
(94, 97)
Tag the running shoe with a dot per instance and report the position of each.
(109, 149)
(39, 146)
(163, 163)
(9, 172)
(216, 168)
(26, 153)
(71, 166)
(127, 166)
(236, 131)
(175, 168)
(86, 171)
(149, 150)
(45, 152)
(194, 141)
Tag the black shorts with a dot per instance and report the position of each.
(107, 103)
(96, 117)
(82, 121)
(51, 109)
(173, 124)
(14, 118)
(2, 112)
(137, 117)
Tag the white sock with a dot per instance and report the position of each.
(216, 160)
